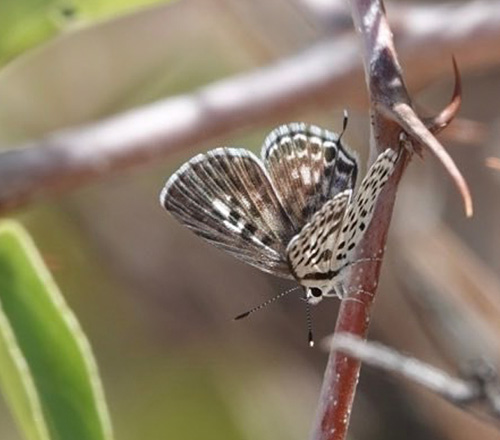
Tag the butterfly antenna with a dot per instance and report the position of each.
(344, 126)
(310, 337)
(265, 303)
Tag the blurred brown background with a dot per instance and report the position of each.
(157, 302)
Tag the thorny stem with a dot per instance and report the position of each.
(387, 91)
(342, 371)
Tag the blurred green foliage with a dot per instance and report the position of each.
(25, 24)
(47, 371)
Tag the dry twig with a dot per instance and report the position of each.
(481, 385)
(70, 158)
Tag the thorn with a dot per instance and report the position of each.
(406, 117)
(441, 121)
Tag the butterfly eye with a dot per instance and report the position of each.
(315, 292)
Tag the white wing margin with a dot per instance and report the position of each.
(360, 212)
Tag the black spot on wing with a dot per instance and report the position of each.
(330, 154)
(326, 255)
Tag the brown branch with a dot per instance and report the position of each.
(70, 158)
(391, 115)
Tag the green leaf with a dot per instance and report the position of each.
(25, 24)
(47, 372)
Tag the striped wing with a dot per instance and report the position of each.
(226, 197)
(360, 211)
(310, 252)
(308, 166)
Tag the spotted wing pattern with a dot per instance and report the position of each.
(308, 167)
(310, 252)
(360, 211)
(226, 197)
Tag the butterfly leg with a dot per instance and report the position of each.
(406, 143)
(353, 299)
(337, 291)
(366, 292)
(344, 295)
(340, 292)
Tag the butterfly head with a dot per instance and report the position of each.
(314, 295)
(317, 290)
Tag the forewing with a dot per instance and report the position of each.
(226, 197)
(360, 211)
(310, 252)
(308, 166)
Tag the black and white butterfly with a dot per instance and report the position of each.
(293, 213)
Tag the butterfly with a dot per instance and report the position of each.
(294, 213)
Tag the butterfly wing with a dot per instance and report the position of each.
(360, 211)
(307, 166)
(310, 252)
(226, 197)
